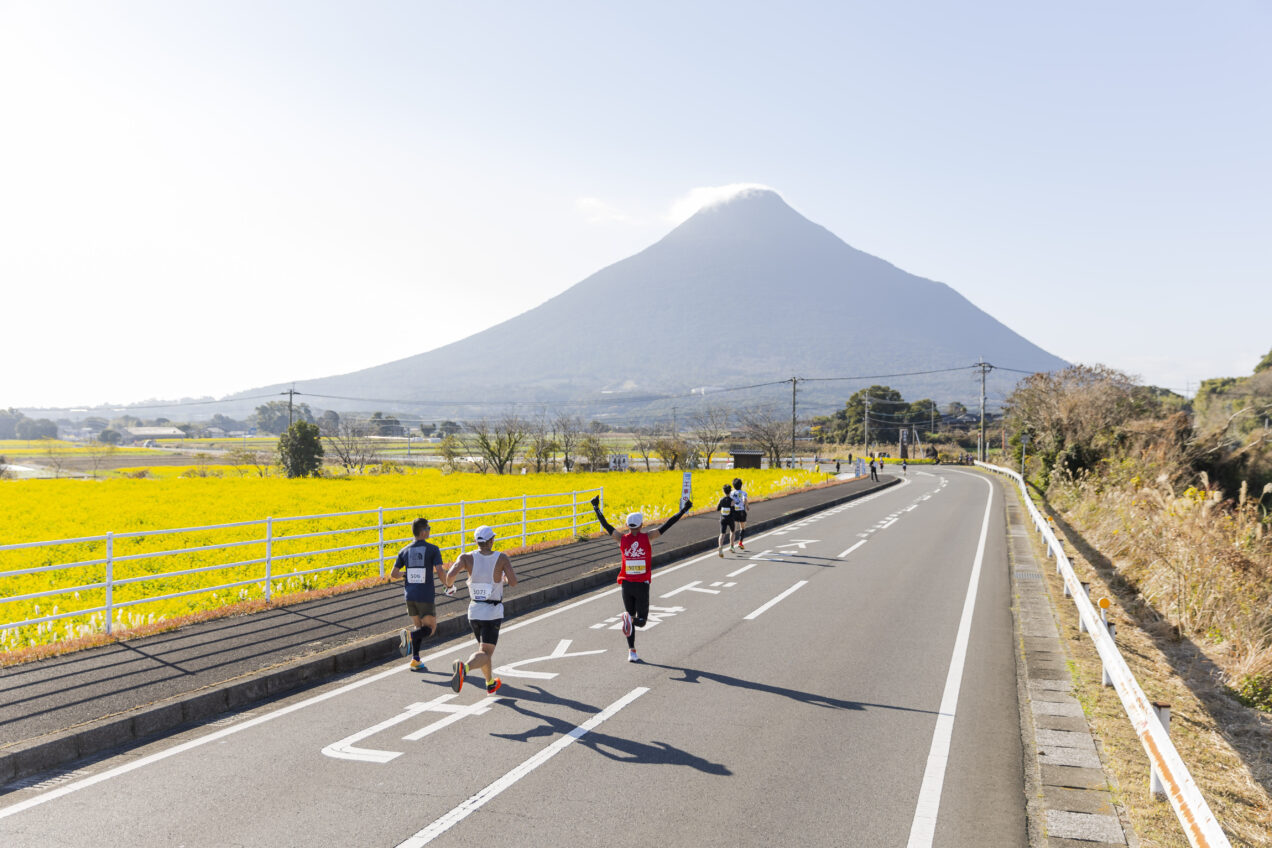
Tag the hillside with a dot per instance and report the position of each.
(743, 292)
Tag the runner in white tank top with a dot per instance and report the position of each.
(488, 573)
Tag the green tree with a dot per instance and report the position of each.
(36, 428)
(1265, 363)
(109, 437)
(273, 417)
(300, 450)
(848, 425)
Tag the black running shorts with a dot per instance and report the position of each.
(487, 632)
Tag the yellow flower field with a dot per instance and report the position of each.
(43, 510)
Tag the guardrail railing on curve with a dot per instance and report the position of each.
(528, 516)
(1199, 824)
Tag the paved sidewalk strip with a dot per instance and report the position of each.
(1077, 805)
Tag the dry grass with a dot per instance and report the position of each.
(1227, 746)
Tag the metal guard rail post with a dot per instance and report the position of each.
(1194, 814)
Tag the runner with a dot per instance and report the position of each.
(728, 529)
(488, 573)
(636, 572)
(413, 562)
(739, 511)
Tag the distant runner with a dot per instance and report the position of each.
(414, 562)
(488, 573)
(728, 528)
(739, 511)
(636, 572)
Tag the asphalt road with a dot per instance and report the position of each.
(848, 680)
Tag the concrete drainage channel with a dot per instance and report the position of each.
(1069, 796)
(203, 705)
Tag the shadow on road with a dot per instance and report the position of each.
(613, 747)
(692, 675)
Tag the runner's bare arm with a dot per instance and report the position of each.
(463, 563)
(509, 576)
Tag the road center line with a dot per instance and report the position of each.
(757, 613)
(923, 828)
(467, 808)
(850, 550)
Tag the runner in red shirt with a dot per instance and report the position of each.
(635, 573)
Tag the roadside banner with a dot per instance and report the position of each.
(686, 490)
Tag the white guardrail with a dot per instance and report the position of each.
(1185, 798)
(529, 517)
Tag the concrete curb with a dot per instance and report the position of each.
(57, 749)
(1068, 793)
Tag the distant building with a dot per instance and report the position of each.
(142, 434)
(746, 457)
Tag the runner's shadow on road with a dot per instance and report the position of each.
(613, 747)
(692, 675)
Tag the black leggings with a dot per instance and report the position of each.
(636, 602)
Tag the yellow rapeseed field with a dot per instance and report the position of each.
(45, 510)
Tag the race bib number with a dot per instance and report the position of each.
(417, 575)
(637, 566)
(481, 591)
(724, 510)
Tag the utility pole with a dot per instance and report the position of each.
(794, 383)
(291, 393)
(866, 400)
(674, 434)
(981, 446)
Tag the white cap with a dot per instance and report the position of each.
(484, 533)
(635, 519)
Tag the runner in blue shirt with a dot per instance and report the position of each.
(414, 563)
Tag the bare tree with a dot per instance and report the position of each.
(348, 441)
(768, 431)
(498, 443)
(671, 450)
(98, 453)
(542, 446)
(644, 445)
(710, 428)
(53, 456)
(569, 431)
(451, 449)
(595, 451)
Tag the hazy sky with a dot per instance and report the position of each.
(198, 198)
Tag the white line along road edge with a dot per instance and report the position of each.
(923, 829)
(467, 808)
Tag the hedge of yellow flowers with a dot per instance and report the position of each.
(44, 510)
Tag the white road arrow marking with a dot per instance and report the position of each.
(690, 587)
(345, 749)
(511, 669)
(803, 543)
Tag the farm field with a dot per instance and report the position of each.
(308, 554)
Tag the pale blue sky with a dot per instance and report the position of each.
(200, 198)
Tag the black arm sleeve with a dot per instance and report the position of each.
(605, 525)
(666, 525)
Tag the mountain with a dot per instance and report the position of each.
(746, 291)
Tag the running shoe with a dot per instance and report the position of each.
(416, 665)
(627, 624)
(404, 642)
(631, 657)
(731, 550)
(741, 547)
(719, 552)
(457, 675)
(492, 686)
